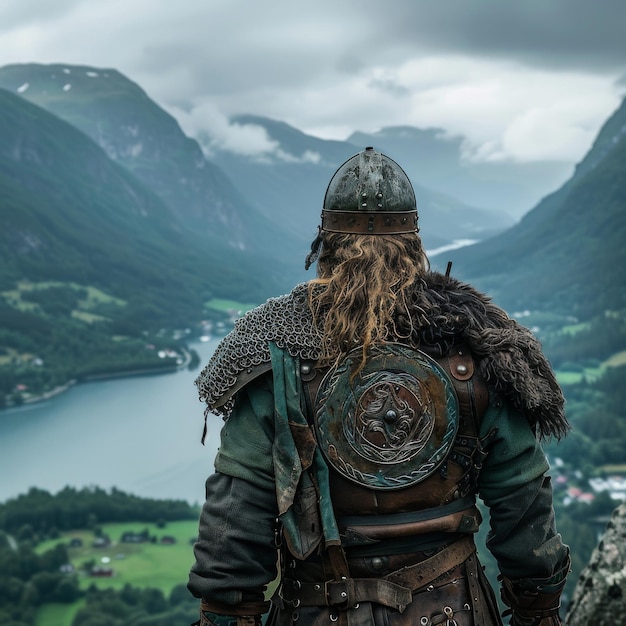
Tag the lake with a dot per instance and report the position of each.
(139, 434)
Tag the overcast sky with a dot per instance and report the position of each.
(526, 80)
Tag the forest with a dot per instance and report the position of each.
(53, 333)
(29, 579)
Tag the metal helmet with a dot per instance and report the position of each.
(370, 194)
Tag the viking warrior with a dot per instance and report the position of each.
(364, 413)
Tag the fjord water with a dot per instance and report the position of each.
(139, 434)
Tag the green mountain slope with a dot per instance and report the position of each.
(68, 212)
(92, 263)
(566, 255)
(139, 135)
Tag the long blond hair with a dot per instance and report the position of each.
(359, 294)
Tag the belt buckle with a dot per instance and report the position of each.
(340, 593)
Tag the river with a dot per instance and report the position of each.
(139, 434)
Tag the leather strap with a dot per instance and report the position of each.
(394, 590)
(347, 593)
(370, 222)
(423, 573)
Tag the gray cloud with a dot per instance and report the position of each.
(572, 34)
(502, 74)
(22, 13)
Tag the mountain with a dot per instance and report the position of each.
(567, 255)
(139, 135)
(274, 207)
(437, 159)
(288, 186)
(70, 213)
(96, 270)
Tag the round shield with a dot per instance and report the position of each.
(391, 424)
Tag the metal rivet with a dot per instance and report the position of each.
(305, 368)
(378, 564)
(344, 594)
(461, 369)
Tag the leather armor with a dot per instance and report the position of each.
(454, 479)
(400, 543)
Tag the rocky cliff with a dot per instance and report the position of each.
(600, 595)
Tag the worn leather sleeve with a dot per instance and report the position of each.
(235, 554)
(517, 490)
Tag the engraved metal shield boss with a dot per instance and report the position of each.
(392, 424)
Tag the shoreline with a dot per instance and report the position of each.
(60, 389)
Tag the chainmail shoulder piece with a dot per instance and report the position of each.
(440, 312)
(286, 321)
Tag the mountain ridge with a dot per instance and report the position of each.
(301, 167)
(141, 136)
(567, 252)
(444, 163)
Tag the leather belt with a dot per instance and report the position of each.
(417, 576)
(394, 590)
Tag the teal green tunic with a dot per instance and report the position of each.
(257, 447)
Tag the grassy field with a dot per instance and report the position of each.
(617, 359)
(93, 296)
(154, 565)
(228, 305)
(57, 614)
(566, 377)
(143, 565)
